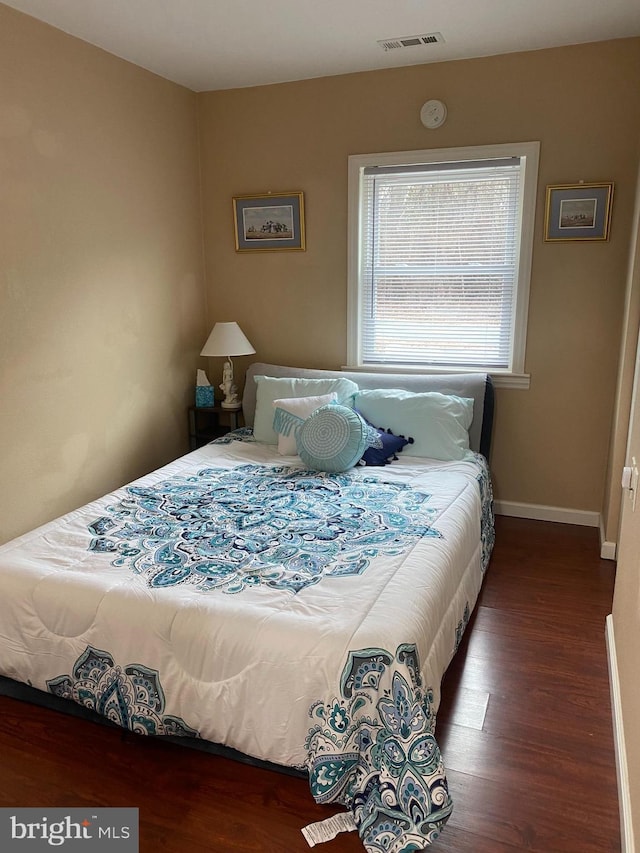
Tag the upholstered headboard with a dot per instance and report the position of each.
(475, 385)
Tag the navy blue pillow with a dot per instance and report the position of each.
(391, 445)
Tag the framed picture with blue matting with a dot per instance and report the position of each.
(273, 222)
(578, 212)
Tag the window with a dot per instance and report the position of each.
(440, 257)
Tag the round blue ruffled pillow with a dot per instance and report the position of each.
(333, 439)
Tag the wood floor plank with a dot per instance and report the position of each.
(547, 657)
(465, 707)
(541, 719)
(533, 822)
(581, 691)
(545, 722)
(542, 768)
(526, 626)
(456, 838)
(524, 725)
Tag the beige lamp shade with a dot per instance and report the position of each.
(227, 339)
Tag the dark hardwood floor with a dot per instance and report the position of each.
(524, 727)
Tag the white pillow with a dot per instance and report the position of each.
(302, 407)
(270, 388)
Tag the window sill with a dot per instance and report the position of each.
(500, 380)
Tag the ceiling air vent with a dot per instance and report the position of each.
(410, 41)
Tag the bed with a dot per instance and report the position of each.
(301, 617)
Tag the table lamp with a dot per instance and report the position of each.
(227, 339)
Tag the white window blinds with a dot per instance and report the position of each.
(439, 263)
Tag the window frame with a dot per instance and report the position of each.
(529, 153)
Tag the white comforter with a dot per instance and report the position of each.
(171, 613)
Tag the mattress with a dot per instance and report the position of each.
(304, 619)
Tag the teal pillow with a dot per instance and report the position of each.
(438, 423)
(333, 439)
(270, 388)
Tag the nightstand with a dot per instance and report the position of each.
(209, 422)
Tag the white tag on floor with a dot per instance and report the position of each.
(325, 830)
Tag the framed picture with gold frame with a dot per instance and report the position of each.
(273, 222)
(578, 212)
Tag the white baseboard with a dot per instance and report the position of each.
(624, 798)
(540, 512)
(607, 549)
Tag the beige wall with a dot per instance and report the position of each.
(551, 442)
(626, 621)
(626, 600)
(101, 294)
(628, 344)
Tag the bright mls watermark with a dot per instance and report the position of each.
(113, 830)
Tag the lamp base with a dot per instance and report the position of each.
(230, 400)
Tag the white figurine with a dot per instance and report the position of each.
(230, 390)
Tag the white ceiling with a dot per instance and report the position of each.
(222, 44)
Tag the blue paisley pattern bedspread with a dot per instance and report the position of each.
(373, 749)
(131, 696)
(284, 527)
(169, 605)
